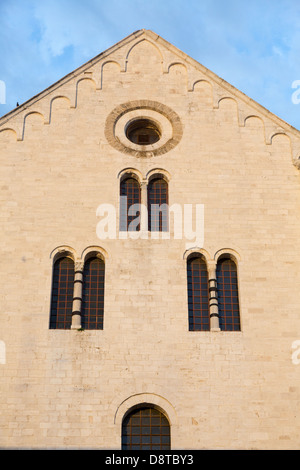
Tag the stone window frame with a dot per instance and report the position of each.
(61, 254)
(223, 257)
(211, 263)
(166, 118)
(121, 409)
(190, 258)
(124, 175)
(79, 262)
(143, 181)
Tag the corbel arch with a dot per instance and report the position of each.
(59, 97)
(8, 131)
(83, 79)
(138, 43)
(103, 65)
(31, 113)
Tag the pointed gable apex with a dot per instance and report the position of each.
(169, 55)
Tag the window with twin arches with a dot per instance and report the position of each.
(79, 293)
(85, 290)
(215, 296)
(156, 202)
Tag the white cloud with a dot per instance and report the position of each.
(253, 45)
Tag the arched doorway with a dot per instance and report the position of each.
(145, 427)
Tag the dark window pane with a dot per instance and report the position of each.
(158, 212)
(93, 294)
(130, 200)
(62, 294)
(228, 295)
(198, 303)
(145, 428)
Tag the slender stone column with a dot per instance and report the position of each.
(213, 298)
(144, 210)
(77, 297)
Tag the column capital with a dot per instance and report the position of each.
(79, 266)
(211, 269)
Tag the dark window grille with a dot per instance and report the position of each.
(130, 195)
(229, 314)
(145, 428)
(158, 212)
(143, 139)
(198, 295)
(62, 294)
(143, 132)
(93, 295)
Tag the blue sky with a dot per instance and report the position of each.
(252, 44)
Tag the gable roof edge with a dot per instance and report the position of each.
(226, 85)
(66, 78)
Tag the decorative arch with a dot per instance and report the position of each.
(8, 131)
(197, 251)
(80, 81)
(158, 172)
(103, 65)
(280, 134)
(201, 81)
(204, 91)
(223, 103)
(252, 118)
(92, 252)
(31, 113)
(130, 173)
(63, 250)
(179, 64)
(138, 399)
(148, 42)
(59, 97)
(227, 252)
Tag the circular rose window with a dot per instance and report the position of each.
(143, 132)
(143, 128)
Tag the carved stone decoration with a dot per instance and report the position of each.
(122, 116)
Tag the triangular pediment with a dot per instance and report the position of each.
(130, 55)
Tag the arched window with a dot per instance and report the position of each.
(93, 294)
(158, 213)
(62, 294)
(130, 200)
(198, 297)
(145, 428)
(228, 298)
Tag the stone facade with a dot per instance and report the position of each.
(63, 155)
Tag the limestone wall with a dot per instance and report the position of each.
(60, 160)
